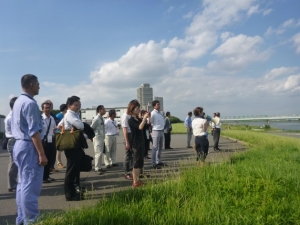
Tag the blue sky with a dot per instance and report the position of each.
(239, 57)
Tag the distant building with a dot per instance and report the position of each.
(145, 95)
(88, 114)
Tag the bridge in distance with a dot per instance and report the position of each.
(261, 118)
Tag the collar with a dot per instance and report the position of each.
(45, 117)
(28, 95)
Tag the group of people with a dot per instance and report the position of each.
(31, 143)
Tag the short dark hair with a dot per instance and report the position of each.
(12, 102)
(190, 113)
(155, 102)
(111, 112)
(218, 114)
(99, 107)
(71, 100)
(63, 107)
(45, 103)
(75, 97)
(143, 112)
(167, 113)
(28, 79)
(198, 111)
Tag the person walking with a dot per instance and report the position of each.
(110, 139)
(12, 171)
(49, 127)
(98, 141)
(28, 151)
(137, 141)
(167, 131)
(189, 130)
(158, 123)
(199, 125)
(217, 133)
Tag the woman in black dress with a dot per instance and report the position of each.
(137, 141)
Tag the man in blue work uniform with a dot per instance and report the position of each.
(28, 151)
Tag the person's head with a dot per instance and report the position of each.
(168, 114)
(156, 105)
(143, 112)
(76, 97)
(63, 108)
(214, 114)
(30, 84)
(218, 114)
(46, 108)
(12, 102)
(198, 111)
(112, 113)
(190, 114)
(133, 108)
(48, 101)
(101, 110)
(73, 104)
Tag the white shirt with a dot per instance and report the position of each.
(70, 119)
(197, 125)
(124, 122)
(7, 123)
(46, 122)
(110, 127)
(212, 124)
(157, 120)
(219, 125)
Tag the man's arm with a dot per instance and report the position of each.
(37, 142)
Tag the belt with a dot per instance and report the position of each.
(23, 140)
(110, 135)
(159, 130)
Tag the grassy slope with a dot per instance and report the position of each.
(260, 186)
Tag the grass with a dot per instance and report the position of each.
(259, 186)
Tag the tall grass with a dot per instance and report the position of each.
(260, 186)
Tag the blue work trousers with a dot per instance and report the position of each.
(29, 182)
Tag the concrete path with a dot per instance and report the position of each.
(52, 195)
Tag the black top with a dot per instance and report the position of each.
(137, 136)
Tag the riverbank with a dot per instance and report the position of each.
(259, 186)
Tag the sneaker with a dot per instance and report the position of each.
(156, 167)
(147, 157)
(114, 165)
(53, 170)
(109, 166)
(11, 190)
(162, 164)
(128, 177)
(100, 170)
(60, 166)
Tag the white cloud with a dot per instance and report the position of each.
(188, 15)
(225, 35)
(253, 10)
(292, 83)
(267, 12)
(288, 24)
(296, 40)
(237, 53)
(170, 9)
(281, 71)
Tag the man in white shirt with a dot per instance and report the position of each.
(158, 122)
(217, 133)
(49, 127)
(98, 141)
(110, 139)
(12, 167)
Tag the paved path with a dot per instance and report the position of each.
(52, 195)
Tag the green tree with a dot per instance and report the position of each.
(175, 119)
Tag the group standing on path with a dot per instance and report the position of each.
(32, 143)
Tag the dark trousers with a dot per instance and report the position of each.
(49, 149)
(53, 154)
(147, 146)
(167, 139)
(128, 158)
(72, 172)
(216, 137)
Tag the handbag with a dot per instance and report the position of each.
(86, 163)
(67, 139)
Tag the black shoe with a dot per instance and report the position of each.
(162, 164)
(74, 198)
(147, 157)
(216, 149)
(170, 148)
(156, 167)
(51, 179)
(107, 167)
(11, 190)
(100, 170)
(189, 146)
(114, 165)
(46, 181)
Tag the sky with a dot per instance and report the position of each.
(237, 57)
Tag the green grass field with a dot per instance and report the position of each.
(259, 186)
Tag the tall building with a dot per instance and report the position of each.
(145, 95)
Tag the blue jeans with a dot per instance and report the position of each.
(158, 139)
